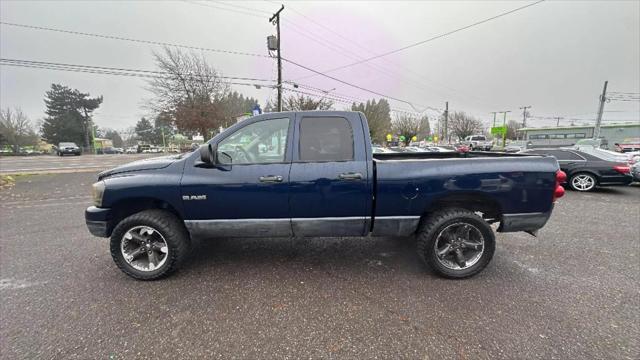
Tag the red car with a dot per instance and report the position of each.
(628, 145)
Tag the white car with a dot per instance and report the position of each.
(439, 149)
(381, 150)
(478, 142)
(132, 150)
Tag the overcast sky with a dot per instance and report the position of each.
(553, 56)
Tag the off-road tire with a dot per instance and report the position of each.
(169, 226)
(433, 225)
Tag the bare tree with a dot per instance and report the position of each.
(512, 129)
(16, 129)
(463, 125)
(301, 103)
(190, 90)
(408, 126)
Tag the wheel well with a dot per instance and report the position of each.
(128, 207)
(490, 209)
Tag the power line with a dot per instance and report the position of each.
(263, 12)
(151, 42)
(358, 86)
(342, 100)
(32, 62)
(221, 8)
(105, 71)
(392, 74)
(202, 49)
(434, 37)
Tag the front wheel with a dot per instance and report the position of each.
(582, 182)
(456, 243)
(150, 244)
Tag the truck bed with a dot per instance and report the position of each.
(501, 185)
(444, 155)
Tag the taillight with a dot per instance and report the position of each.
(558, 191)
(622, 169)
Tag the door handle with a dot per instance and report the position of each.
(271, 179)
(350, 176)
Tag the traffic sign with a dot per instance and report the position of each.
(498, 130)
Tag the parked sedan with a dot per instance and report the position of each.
(68, 148)
(111, 150)
(517, 146)
(380, 150)
(585, 171)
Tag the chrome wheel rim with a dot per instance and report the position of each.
(459, 246)
(144, 248)
(583, 182)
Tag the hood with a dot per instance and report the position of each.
(139, 165)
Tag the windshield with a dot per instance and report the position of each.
(68, 144)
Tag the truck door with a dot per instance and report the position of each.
(248, 193)
(329, 183)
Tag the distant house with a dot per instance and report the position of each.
(568, 135)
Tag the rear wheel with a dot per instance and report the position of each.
(150, 244)
(456, 243)
(582, 182)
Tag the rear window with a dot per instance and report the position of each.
(326, 139)
(478, 138)
(558, 154)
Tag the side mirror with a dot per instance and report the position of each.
(207, 154)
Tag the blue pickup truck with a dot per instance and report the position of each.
(312, 174)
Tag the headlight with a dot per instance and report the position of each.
(98, 192)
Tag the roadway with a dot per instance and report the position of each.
(10, 165)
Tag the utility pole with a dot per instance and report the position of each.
(558, 120)
(494, 117)
(446, 120)
(504, 125)
(275, 19)
(524, 115)
(603, 98)
(164, 144)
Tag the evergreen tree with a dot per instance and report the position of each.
(378, 116)
(68, 115)
(145, 131)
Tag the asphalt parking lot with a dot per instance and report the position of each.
(572, 292)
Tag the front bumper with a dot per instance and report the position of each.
(615, 180)
(98, 221)
(529, 222)
(69, 151)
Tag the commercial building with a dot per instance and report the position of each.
(568, 135)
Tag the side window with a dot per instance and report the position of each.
(565, 155)
(326, 139)
(259, 143)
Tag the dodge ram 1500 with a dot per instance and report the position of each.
(313, 173)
